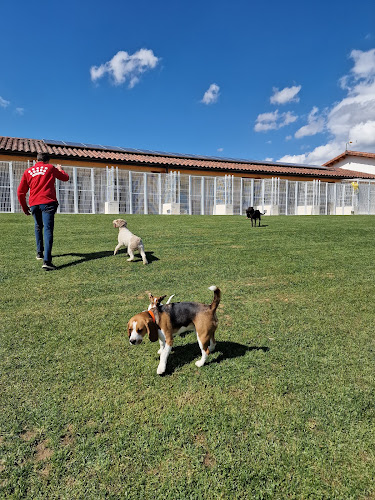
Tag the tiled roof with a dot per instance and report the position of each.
(348, 153)
(106, 154)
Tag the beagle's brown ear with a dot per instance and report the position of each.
(152, 330)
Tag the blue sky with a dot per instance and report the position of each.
(283, 81)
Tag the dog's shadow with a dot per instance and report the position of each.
(85, 257)
(183, 355)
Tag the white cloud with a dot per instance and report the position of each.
(125, 67)
(273, 121)
(315, 124)
(212, 94)
(363, 133)
(20, 111)
(288, 118)
(4, 103)
(288, 94)
(268, 159)
(364, 63)
(288, 138)
(220, 150)
(351, 119)
(314, 157)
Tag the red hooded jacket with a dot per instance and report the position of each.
(40, 179)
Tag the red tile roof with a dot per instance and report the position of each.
(139, 158)
(348, 153)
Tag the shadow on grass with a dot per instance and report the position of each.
(85, 257)
(183, 355)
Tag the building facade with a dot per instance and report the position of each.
(354, 161)
(117, 180)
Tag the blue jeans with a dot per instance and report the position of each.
(44, 216)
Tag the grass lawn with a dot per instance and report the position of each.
(285, 408)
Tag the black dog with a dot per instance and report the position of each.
(253, 215)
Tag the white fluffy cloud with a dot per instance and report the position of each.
(288, 94)
(4, 103)
(364, 63)
(351, 119)
(273, 121)
(315, 124)
(126, 67)
(212, 94)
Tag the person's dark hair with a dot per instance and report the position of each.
(44, 157)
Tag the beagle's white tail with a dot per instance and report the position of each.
(170, 298)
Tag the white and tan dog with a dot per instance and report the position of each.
(164, 321)
(127, 239)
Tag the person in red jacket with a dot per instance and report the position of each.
(40, 179)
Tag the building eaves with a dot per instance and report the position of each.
(348, 154)
(117, 155)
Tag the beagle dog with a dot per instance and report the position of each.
(163, 322)
(129, 240)
(156, 301)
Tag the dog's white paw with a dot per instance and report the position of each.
(161, 369)
(129, 260)
(160, 351)
(199, 363)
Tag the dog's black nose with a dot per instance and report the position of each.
(132, 342)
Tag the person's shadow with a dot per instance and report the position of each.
(85, 257)
(183, 355)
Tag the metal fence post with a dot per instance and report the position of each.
(117, 188)
(11, 187)
(190, 201)
(241, 194)
(368, 198)
(130, 193)
(296, 198)
(252, 192)
(215, 187)
(326, 198)
(145, 200)
(159, 193)
(319, 195)
(335, 196)
(93, 191)
(262, 195)
(286, 196)
(313, 199)
(75, 190)
(202, 195)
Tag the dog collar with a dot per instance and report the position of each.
(152, 315)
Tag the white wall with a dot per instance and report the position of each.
(357, 164)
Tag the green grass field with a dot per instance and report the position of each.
(285, 408)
